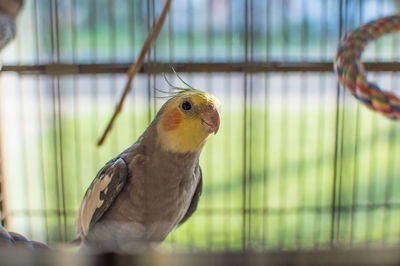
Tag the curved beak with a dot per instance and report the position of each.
(211, 120)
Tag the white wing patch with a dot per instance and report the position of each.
(90, 203)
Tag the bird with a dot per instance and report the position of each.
(153, 186)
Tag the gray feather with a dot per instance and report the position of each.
(101, 193)
(195, 200)
(118, 171)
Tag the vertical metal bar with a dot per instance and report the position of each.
(4, 211)
(154, 58)
(92, 25)
(285, 30)
(56, 155)
(190, 27)
(131, 23)
(353, 211)
(209, 32)
(320, 129)
(60, 127)
(341, 163)
(61, 150)
(283, 164)
(284, 136)
(228, 124)
(92, 29)
(171, 58)
(392, 150)
(148, 76)
(301, 136)
(76, 107)
(370, 221)
(171, 42)
(266, 126)
(56, 152)
(131, 34)
(209, 15)
(40, 111)
(113, 34)
(391, 162)
(26, 183)
(341, 148)
(371, 193)
(335, 156)
(112, 48)
(340, 171)
(250, 125)
(189, 57)
(244, 173)
(26, 173)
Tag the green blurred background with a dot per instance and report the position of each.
(297, 164)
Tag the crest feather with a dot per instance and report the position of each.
(174, 89)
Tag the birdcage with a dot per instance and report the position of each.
(298, 164)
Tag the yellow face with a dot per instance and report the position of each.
(187, 121)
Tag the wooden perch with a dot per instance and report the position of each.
(135, 67)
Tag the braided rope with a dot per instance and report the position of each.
(11, 239)
(350, 70)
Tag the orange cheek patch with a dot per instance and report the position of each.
(172, 120)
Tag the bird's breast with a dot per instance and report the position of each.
(168, 205)
(157, 202)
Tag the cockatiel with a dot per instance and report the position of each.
(154, 186)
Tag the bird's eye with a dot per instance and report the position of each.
(186, 105)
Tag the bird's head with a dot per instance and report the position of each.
(187, 119)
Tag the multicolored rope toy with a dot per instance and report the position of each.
(15, 240)
(350, 70)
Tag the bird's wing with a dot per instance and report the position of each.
(195, 200)
(101, 194)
